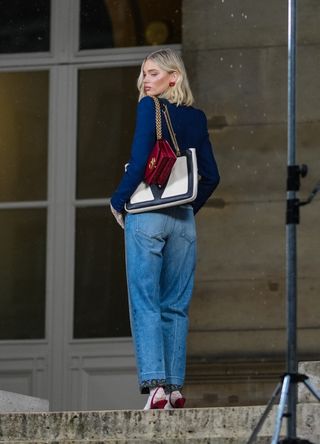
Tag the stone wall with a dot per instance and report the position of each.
(236, 56)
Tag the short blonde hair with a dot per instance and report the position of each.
(168, 60)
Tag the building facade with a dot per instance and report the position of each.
(67, 92)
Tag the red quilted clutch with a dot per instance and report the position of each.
(160, 163)
(162, 156)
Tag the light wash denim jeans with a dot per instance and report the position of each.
(160, 261)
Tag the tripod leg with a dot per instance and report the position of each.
(281, 407)
(312, 390)
(265, 414)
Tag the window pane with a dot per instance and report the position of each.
(107, 102)
(23, 135)
(24, 26)
(110, 23)
(101, 308)
(22, 273)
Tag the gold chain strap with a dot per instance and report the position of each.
(158, 118)
(169, 125)
(172, 133)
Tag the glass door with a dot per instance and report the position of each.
(106, 105)
(23, 207)
(68, 96)
(24, 104)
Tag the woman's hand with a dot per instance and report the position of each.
(118, 216)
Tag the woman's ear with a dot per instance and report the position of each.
(174, 76)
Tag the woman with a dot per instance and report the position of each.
(161, 245)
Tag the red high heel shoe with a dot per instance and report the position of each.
(159, 404)
(178, 403)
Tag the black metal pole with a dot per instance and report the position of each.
(289, 388)
(291, 243)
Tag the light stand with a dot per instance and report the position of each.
(288, 387)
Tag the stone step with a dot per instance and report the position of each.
(312, 370)
(265, 440)
(232, 425)
(212, 440)
(15, 402)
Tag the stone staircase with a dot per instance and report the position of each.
(220, 425)
(230, 425)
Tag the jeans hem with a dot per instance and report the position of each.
(146, 385)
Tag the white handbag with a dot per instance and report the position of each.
(181, 187)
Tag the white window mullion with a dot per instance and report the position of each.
(60, 228)
(63, 29)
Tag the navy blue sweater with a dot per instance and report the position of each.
(190, 127)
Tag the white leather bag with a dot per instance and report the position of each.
(181, 187)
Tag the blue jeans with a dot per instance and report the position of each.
(160, 262)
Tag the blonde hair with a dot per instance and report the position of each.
(169, 61)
